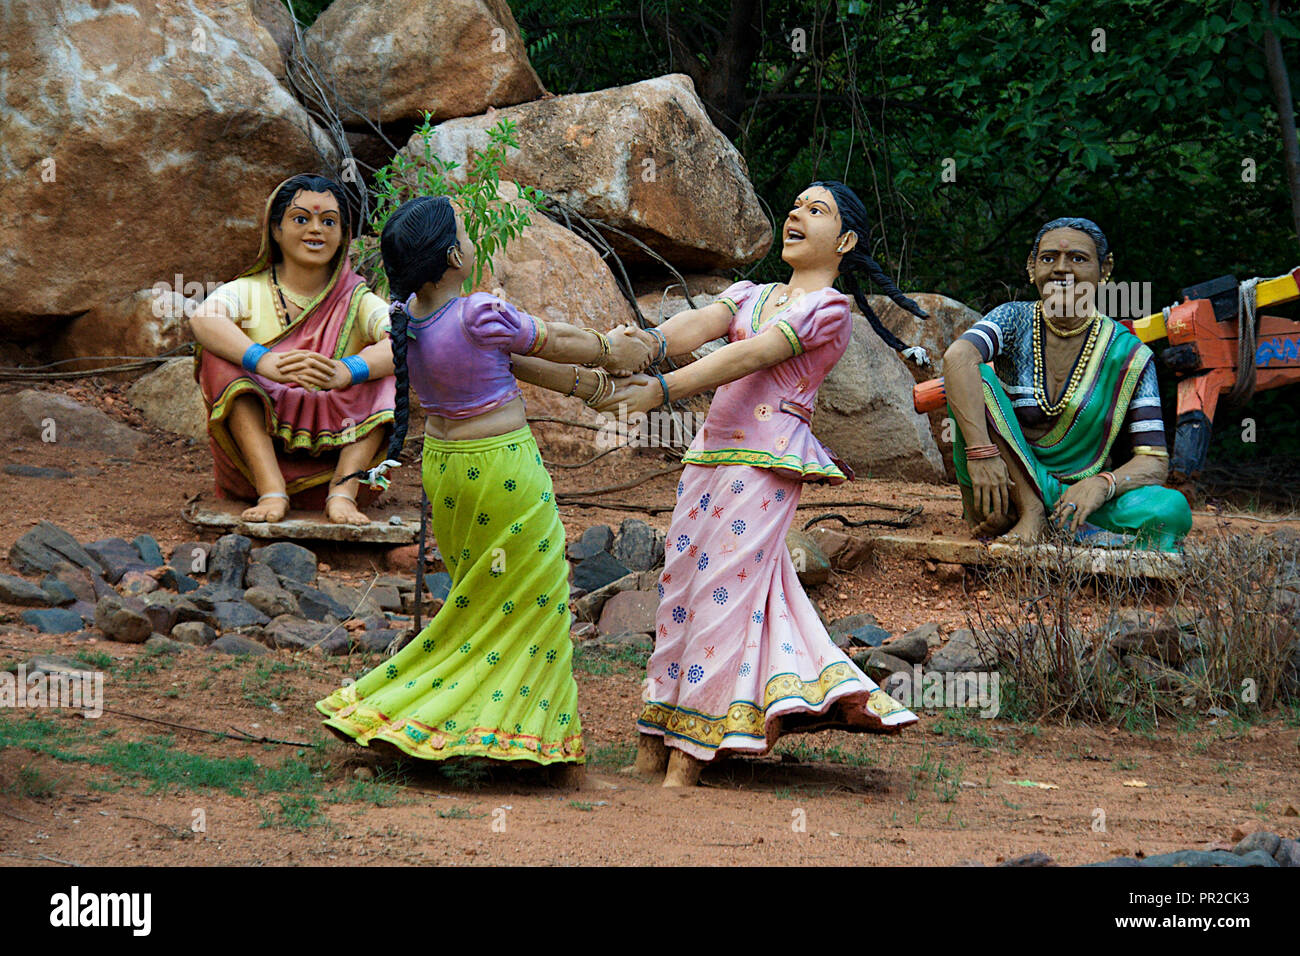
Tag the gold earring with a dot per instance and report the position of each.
(840, 247)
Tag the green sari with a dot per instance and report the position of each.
(1080, 441)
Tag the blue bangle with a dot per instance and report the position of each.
(252, 356)
(358, 367)
(664, 385)
(663, 345)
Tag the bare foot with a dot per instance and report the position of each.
(683, 770)
(1030, 529)
(267, 509)
(342, 510)
(992, 526)
(651, 759)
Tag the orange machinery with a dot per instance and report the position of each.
(1204, 342)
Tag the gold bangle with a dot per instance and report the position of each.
(603, 339)
(574, 390)
(598, 396)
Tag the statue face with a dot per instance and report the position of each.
(311, 230)
(1066, 272)
(812, 230)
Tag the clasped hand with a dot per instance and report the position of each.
(630, 350)
(305, 368)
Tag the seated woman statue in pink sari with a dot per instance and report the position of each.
(740, 656)
(295, 364)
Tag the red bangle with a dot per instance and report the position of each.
(980, 452)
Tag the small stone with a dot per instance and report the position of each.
(150, 553)
(845, 551)
(1209, 858)
(587, 607)
(196, 633)
(961, 653)
(44, 546)
(238, 644)
(402, 583)
(56, 592)
(438, 585)
(594, 540)
(1245, 828)
(950, 574)
(1037, 858)
(636, 546)
(629, 612)
(236, 614)
(395, 520)
(298, 634)
(137, 584)
(363, 773)
(74, 578)
(121, 621)
(272, 601)
(1287, 853)
(357, 602)
(878, 665)
(36, 471)
(85, 610)
(376, 642)
(169, 577)
(597, 571)
(582, 631)
(54, 620)
(160, 609)
(187, 610)
(910, 647)
(191, 557)
(314, 604)
(227, 559)
(15, 590)
(386, 598)
(811, 564)
(259, 575)
(116, 556)
(290, 562)
(1258, 840)
(160, 644)
(932, 633)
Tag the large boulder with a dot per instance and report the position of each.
(865, 413)
(147, 322)
(394, 61)
(643, 158)
(948, 319)
(165, 123)
(53, 418)
(168, 397)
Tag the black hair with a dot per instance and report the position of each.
(415, 242)
(311, 183)
(853, 218)
(1082, 225)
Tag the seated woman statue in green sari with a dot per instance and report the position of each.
(1058, 411)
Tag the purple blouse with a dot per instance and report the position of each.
(459, 359)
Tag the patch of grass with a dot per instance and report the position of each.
(298, 811)
(614, 756)
(1126, 763)
(106, 785)
(960, 724)
(30, 783)
(259, 689)
(805, 751)
(606, 661)
(459, 813)
(96, 659)
(582, 805)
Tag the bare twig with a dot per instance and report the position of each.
(246, 738)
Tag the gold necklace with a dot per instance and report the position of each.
(1052, 409)
(301, 301)
(1060, 332)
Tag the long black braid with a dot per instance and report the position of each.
(414, 244)
(853, 217)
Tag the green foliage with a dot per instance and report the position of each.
(491, 219)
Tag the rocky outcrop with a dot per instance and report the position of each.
(394, 61)
(168, 397)
(138, 142)
(643, 158)
(147, 322)
(865, 413)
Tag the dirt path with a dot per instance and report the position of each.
(117, 790)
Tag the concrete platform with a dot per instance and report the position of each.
(223, 517)
(1111, 562)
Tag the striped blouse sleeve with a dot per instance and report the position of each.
(995, 332)
(1146, 423)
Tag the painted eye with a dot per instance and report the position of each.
(330, 223)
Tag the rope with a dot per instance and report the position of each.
(1247, 332)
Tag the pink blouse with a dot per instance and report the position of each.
(765, 418)
(459, 359)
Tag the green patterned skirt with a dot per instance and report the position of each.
(492, 674)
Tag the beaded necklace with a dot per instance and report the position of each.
(1052, 409)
